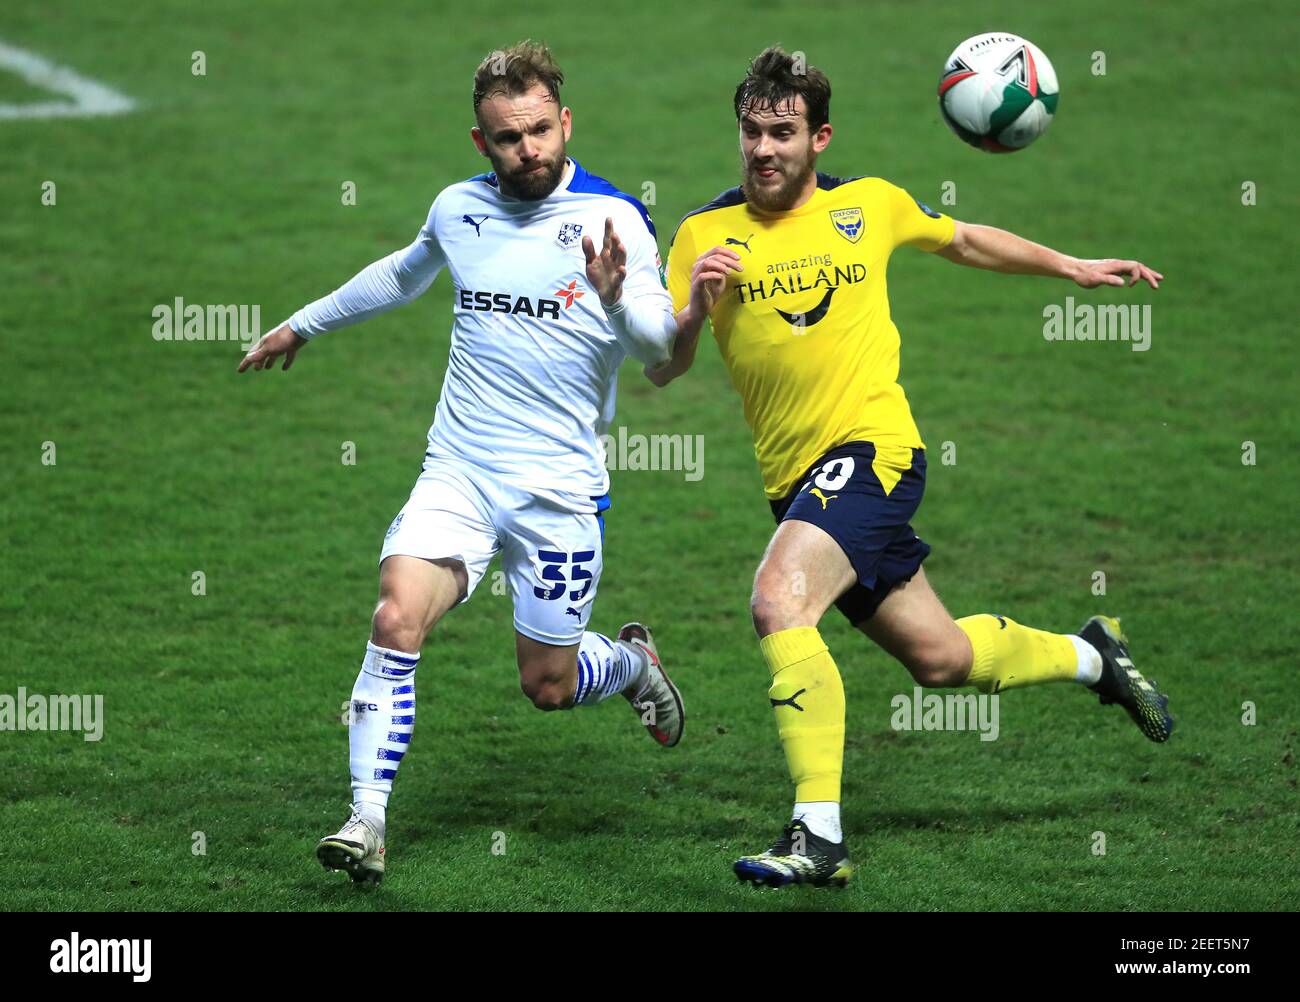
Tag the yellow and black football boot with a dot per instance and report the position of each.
(797, 857)
(1122, 683)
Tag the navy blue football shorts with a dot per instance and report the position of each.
(842, 495)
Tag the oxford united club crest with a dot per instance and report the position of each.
(570, 234)
(849, 223)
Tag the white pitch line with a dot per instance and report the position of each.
(88, 96)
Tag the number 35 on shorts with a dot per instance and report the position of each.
(565, 574)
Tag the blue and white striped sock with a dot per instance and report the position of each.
(606, 668)
(382, 720)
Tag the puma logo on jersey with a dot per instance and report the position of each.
(467, 218)
(788, 701)
(733, 242)
(817, 493)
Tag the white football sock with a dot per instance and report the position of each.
(606, 668)
(382, 720)
(822, 818)
(1089, 670)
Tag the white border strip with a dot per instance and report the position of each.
(89, 98)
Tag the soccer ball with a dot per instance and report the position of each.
(998, 92)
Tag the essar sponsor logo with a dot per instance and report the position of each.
(504, 302)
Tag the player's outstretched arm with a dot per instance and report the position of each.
(997, 250)
(391, 281)
(708, 280)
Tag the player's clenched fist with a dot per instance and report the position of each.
(281, 341)
(709, 277)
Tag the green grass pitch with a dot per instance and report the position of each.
(1071, 458)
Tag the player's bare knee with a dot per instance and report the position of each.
(928, 673)
(396, 627)
(769, 614)
(776, 603)
(548, 674)
(937, 665)
(552, 692)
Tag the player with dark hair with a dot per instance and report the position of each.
(790, 268)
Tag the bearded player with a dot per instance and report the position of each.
(542, 321)
(792, 266)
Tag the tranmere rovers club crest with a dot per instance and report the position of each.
(849, 223)
(570, 234)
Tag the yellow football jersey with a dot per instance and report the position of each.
(805, 329)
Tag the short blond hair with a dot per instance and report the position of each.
(516, 70)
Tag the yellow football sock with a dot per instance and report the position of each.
(1008, 655)
(808, 698)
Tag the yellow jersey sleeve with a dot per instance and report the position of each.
(916, 224)
(681, 260)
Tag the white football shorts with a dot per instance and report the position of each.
(551, 555)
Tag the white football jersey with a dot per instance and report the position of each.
(531, 377)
